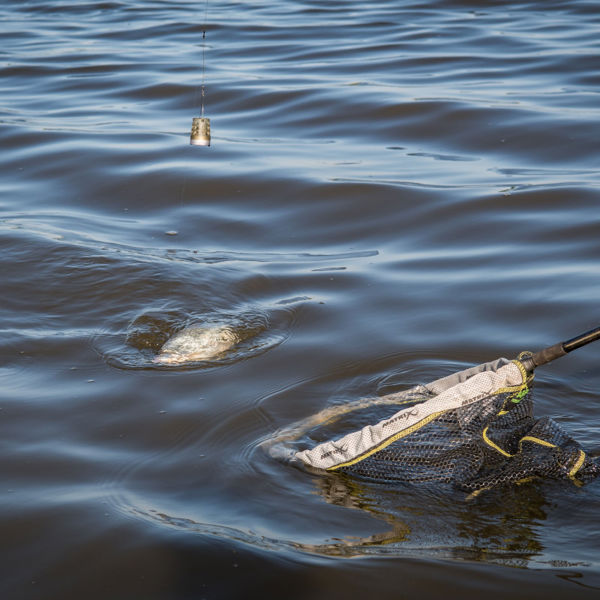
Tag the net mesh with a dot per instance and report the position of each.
(476, 434)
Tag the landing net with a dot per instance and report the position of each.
(474, 430)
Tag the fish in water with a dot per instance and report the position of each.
(196, 342)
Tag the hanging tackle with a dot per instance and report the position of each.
(200, 135)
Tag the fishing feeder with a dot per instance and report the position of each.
(200, 135)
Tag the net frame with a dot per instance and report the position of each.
(474, 429)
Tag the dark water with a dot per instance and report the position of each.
(394, 191)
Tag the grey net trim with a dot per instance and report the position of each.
(459, 390)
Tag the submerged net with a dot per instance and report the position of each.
(474, 430)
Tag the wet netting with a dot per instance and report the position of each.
(474, 430)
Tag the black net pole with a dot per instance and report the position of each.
(552, 352)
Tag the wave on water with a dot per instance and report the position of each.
(394, 191)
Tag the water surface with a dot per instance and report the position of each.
(394, 191)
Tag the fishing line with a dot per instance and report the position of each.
(202, 93)
(200, 135)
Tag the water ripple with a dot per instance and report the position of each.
(393, 191)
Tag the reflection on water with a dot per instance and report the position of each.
(504, 527)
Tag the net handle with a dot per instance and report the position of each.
(552, 352)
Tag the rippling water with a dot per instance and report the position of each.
(394, 191)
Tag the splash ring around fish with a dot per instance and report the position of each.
(176, 340)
